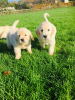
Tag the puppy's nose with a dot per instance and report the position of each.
(22, 40)
(44, 36)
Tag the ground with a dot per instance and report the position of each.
(38, 76)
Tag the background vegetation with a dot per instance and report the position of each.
(27, 4)
(3, 3)
(38, 76)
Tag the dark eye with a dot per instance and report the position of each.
(48, 29)
(19, 35)
(25, 35)
(41, 30)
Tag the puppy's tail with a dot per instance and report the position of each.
(46, 14)
(14, 24)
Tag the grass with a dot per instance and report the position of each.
(39, 76)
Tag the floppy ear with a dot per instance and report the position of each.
(37, 32)
(52, 30)
(31, 36)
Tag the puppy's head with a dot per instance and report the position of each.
(24, 36)
(45, 31)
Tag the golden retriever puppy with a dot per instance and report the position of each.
(20, 39)
(46, 34)
(4, 30)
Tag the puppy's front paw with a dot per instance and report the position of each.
(30, 52)
(43, 46)
(18, 57)
(46, 44)
(51, 53)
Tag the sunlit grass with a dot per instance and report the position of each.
(38, 76)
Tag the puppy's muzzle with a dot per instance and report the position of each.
(22, 40)
(45, 36)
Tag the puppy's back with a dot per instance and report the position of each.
(4, 30)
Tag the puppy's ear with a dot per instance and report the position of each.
(52, 30)
(37, 32)
(31, 36)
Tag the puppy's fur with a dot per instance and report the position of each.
(20, 39)
(46, 34)
(4, 30)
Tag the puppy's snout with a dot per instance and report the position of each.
(45, 36)
(22, 40)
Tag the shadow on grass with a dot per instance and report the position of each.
(4, 48)
(35, 44)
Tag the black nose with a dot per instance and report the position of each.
(44, 36)
(22, 40)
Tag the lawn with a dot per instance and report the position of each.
(38, 76)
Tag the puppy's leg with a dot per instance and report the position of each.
(29, 49)
(51, 48)
(17, 51)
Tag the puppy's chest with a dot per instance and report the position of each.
(23, 47)
(44, 41)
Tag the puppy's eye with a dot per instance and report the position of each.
(19, 35)
(25, 35)
(48, 29)
(42, 30)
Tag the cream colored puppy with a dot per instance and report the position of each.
(20, 39)
(4, 30)
(46, 34)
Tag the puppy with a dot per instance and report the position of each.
(4, 30)
(46, 34)
(20, 39)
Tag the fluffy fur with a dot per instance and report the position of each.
(4, 30)
(46, 34)
(20, 39)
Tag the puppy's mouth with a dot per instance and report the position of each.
(45, 37)
(21, 40)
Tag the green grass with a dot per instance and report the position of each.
(38, 76)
